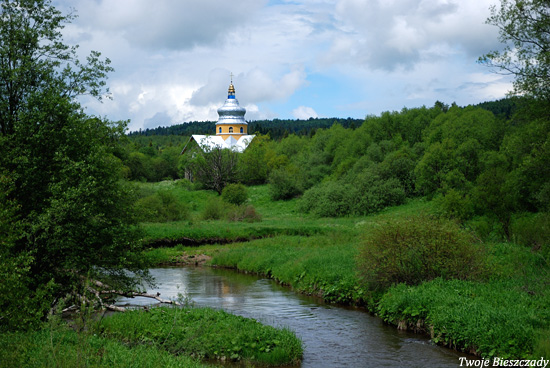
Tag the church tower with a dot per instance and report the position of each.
(231, 124)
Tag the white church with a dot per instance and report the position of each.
(231, 128)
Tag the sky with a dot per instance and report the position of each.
(290, 59)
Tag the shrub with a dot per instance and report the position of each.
(172, 208)
(243, 213)
(235, 194)
(338, 198)
(283, 183)
(374, 194)
(148, 209)
(215, 209)
(455, 205)
(533, 230)
(417, 249)
(160, 207)
(330, 199)
(185, 184)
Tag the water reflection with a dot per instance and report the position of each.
(332, 336)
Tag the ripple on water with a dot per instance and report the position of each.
(332, 336)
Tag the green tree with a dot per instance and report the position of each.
(524, 26)
(33, 59)
(253, 162)
(72, 212)
(214, 167)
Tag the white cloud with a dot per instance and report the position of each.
(391, 34)
(255, 86)
(165, 24)
(172, 59)
(304, 112)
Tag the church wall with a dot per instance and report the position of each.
(236, 133)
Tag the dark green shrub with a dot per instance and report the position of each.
(455, 205)
(361, 197)
(172, 208)
(148, 209)
(330, 199)
(533, 230)
(374, 194)
(184, 183)
(243, 213)
(163, 206)
(235, 194)
(283, 183)
(417, 249)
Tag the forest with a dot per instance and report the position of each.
(484, 165)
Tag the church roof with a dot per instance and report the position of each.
(231, 112)
(208, 142)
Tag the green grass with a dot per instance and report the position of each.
(493, 319)
(207, 334)
(155, 338)
(62, 347)
(318, 265)
(278, 218)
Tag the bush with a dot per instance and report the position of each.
(235, 194)
(417, 249)
(374, 194)
(283, 183)
(337, 199)
(330, 199)
(533, 230)
(455, 205)
(163, 206)
(215, 209)
(185, 184)
(243, 213)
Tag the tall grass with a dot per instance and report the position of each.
(207, 334)
(491, 319)
(61, 347)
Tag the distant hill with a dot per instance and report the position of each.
(276, 128)
(503, 108)
(279, 128)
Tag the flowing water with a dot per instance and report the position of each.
(332, 336)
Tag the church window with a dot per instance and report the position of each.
(220, 130)
(230, 129)
(242, 130)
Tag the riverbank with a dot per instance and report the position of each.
(186, 336)
(505, 314)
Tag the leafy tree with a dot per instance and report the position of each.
(524, 26)
(253, 162)
(66, 199)
(214, 167)
(34, 59)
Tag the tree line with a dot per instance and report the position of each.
(276, 128)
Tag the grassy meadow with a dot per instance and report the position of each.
(187, 336)
(499, 309)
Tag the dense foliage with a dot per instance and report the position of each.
(418, 249)
(65, 212)
(523, 27)
(482, 164)
(276, 128)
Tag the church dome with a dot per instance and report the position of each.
(231, 112)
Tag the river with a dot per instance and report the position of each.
(333, 336)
